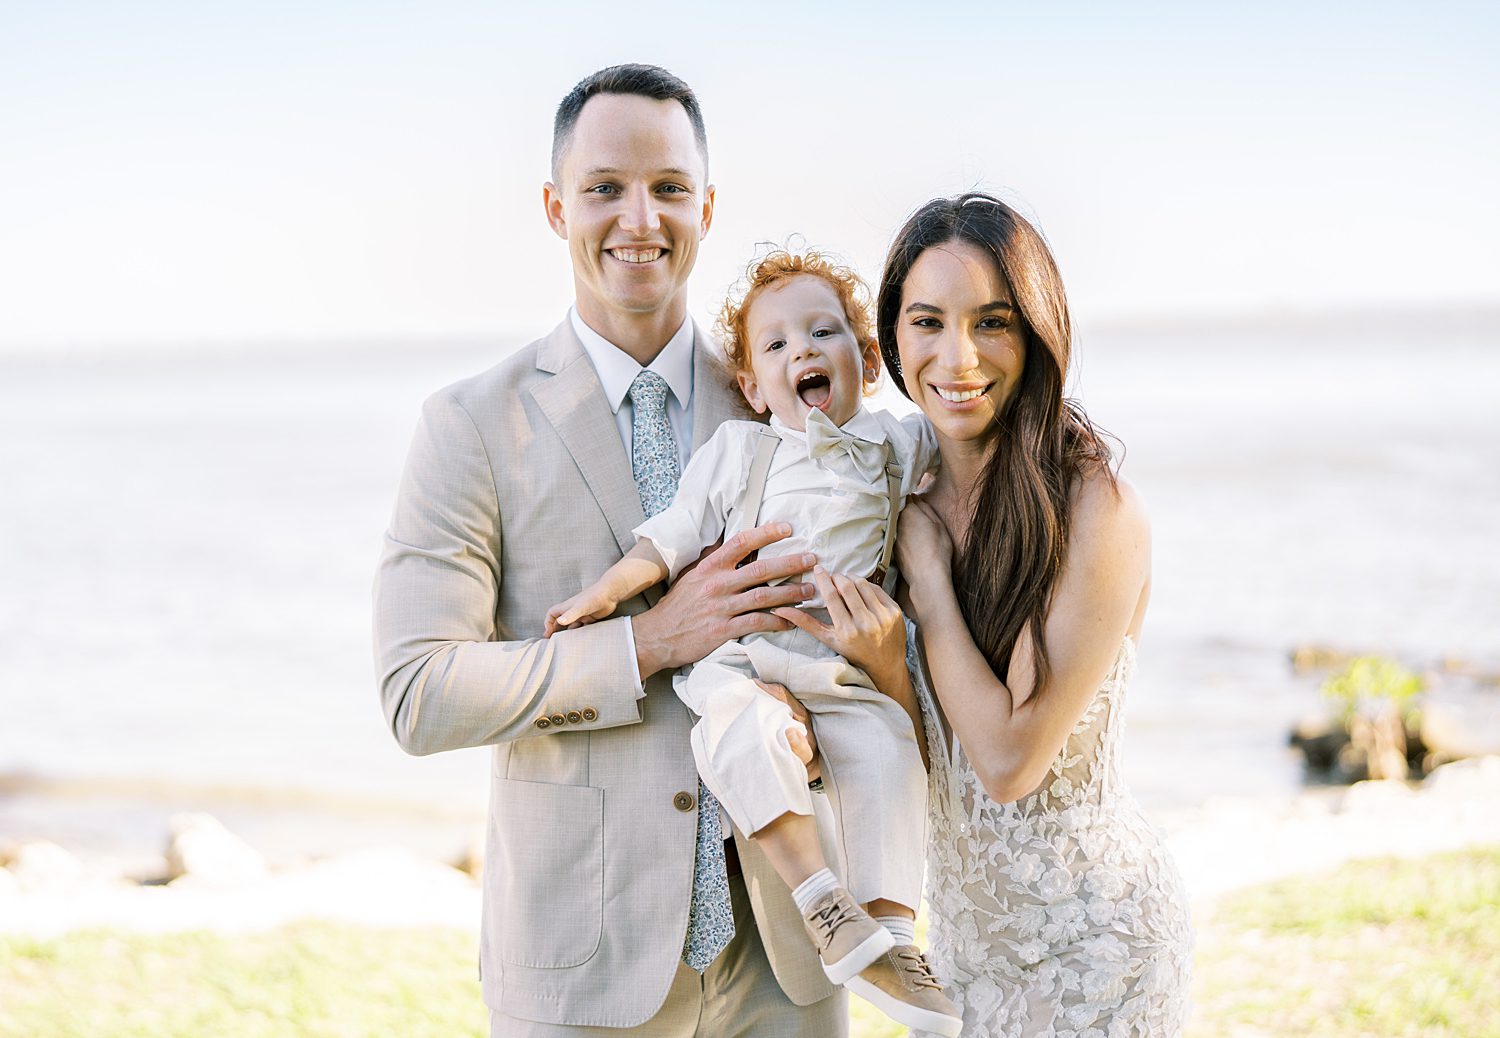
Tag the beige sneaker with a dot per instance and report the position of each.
(900, 984)
(846, 937)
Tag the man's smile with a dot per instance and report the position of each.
(636, 255)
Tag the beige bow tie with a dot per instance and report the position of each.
(823, 437)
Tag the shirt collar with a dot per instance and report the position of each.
(617, 370)
(864, 425)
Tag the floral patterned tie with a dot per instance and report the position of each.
(653, 463)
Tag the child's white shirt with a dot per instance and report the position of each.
(828, 484)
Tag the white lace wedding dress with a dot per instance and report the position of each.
(1061, 915)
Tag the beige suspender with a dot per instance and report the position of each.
(755, 482)
(755, 491)
(885, 574)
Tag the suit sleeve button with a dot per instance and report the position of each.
(559, 719)
(590, 714)
(684, 801)
(574, 717)
(542, 722)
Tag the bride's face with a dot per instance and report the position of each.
(961, 338)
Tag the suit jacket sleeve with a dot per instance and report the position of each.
(445, 682)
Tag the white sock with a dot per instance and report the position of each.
(813, 887)
(901, 928)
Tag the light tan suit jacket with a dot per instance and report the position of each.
(517, 493)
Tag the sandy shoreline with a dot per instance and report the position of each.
(1230, 844)
(1222, 846)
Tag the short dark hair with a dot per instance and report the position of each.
(641, 80)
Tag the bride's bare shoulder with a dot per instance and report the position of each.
(1108, 515)
(1096, 498)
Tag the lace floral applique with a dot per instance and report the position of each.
(1060, 915)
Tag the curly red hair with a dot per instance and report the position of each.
(778, 267)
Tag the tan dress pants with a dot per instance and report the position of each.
(736, 997)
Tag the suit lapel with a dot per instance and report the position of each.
(716, 398)
(573, 402)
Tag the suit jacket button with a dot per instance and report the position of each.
(559, 719)
(574, 717)
(590, 714)
(542, 722)
(684, 801)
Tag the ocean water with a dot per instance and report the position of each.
(188, 537)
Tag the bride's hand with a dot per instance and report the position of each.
(924, 551)
(867, 628)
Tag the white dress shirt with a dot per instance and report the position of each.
(617, 371)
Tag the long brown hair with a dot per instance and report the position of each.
(1006, 569)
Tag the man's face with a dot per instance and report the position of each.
(632, 202)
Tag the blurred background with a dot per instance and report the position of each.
(239, 243)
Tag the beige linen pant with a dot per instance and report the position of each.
(872, 769)
(736, 997)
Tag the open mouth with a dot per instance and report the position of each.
(960, 396)
(814, 389)
(637, 256)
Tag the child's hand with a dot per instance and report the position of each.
(867, 628)
(801, 739)
(590, 604)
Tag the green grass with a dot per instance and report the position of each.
(1378, 949)
(310, 980)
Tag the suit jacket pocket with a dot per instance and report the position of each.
(548, 898)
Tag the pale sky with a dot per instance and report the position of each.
(202, 172)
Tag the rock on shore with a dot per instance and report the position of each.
(383, 887)
(218, 883)
(204, 851)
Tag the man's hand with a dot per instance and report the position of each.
(716, 602)
(804, 746)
